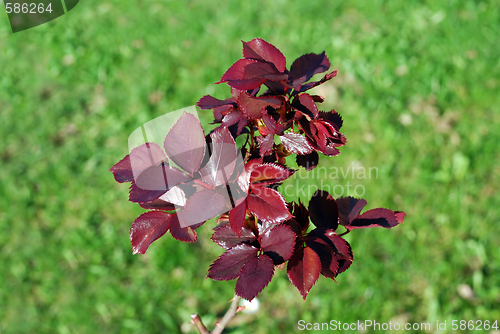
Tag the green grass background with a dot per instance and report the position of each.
(418, 90)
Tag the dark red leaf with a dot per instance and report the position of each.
(259, 49)
(400, 215)
(147, 228)
(268, 205)
(343, 251)
(318, 98)
(323, 210)
(225, 237)
(253, 106)
(306, 105)
(296, 228)
(263, 70)
(122, 170)
(158, 204)
(176, 195)
(376, 217)
(267, 174)
(210, 102)
(201, 206)
(223, 156)
(246, 84)
(278, 243)
(228, 265)
(304, 67)
(185, 143)
(139, 195)
(308, 161)
(266, 144)
(162, 177)
(297, 144)
(235, 116)
(145, 156)
(303, 269)
(254, 276)
(237, 217)
(325, 250)
(349, 208)
(313, 84)
(185, 234)
(237, 71)
(301, 215)
(333, 117)
(244, 177)
(335, 252)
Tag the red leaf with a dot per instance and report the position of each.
(222, 159)
(185, 234)
(147, 228)
(252, 106)
(254, 276)
(301, 215)
(308, 161)
(263, 70)
(400, 215)
(228, 265)
(323, 210)
(269, 123)
(375, 218)
(185, 143)
(162, 177)
(303, 269)
(122, 170)
(325, 250)
(139, 159)
(266, 144)
(237, 217)
(201, 206)
(237, 71)
(305, 104)
(313, 84)
(297, 144)
(335, 252)
(225, 237)
(244, 177)
(246, 84)
(157, 204)
(139, 195)
(259, 49)
(343, 250)
(333, 117)
(175, 196)
(278, 243)
(145, 156)
(304, 67)
(267, 174)
(210, 102)
(268, 205)
(349, 208)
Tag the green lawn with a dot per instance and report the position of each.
(418, 90)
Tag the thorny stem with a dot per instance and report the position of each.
(219, 327)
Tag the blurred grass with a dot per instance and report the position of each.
(418, 90)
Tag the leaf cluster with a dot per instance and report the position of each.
(197, 177)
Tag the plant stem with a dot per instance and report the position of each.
(219, 327)
(196, 320)
(344, 233)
